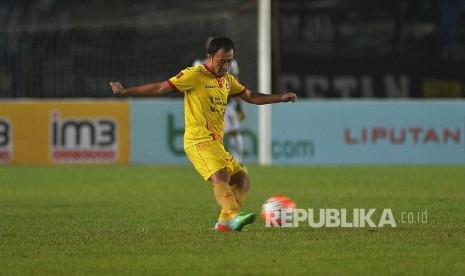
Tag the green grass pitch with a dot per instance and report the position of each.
(158, 220)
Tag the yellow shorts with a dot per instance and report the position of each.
(211, 156)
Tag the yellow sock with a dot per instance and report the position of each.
(239, 194)
(224, 217)
(226, 199)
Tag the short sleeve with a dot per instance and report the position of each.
(236, 87)
(183, 81)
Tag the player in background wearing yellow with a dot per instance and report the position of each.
(234, 113)
(206, 89)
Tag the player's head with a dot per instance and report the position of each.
(220, 53)
(215, 43)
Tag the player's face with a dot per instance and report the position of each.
(221, 61)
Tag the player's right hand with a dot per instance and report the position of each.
(117, 87)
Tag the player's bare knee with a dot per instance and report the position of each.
(220, 176)
(240, 179)
(246, 184)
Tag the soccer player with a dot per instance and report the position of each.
(206, 89)
(233, 115)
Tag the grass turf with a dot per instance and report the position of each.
(158, 220)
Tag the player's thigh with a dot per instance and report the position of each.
(209, 157)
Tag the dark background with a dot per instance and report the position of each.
(321, 49)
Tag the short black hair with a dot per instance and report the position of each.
(220, 42)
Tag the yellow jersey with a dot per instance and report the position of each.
(205, 99)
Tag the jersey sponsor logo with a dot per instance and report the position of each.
(179, 75)
(83, 140)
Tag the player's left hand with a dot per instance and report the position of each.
(117, 87)
(288, 97)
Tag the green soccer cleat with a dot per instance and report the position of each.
(241, 220)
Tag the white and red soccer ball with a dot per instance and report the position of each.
(277, 210)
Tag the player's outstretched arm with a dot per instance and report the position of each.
(151, 89)
(260, 98)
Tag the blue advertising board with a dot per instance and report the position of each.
(370, 132)
(319, 132)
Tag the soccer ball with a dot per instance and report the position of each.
(277, 209)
